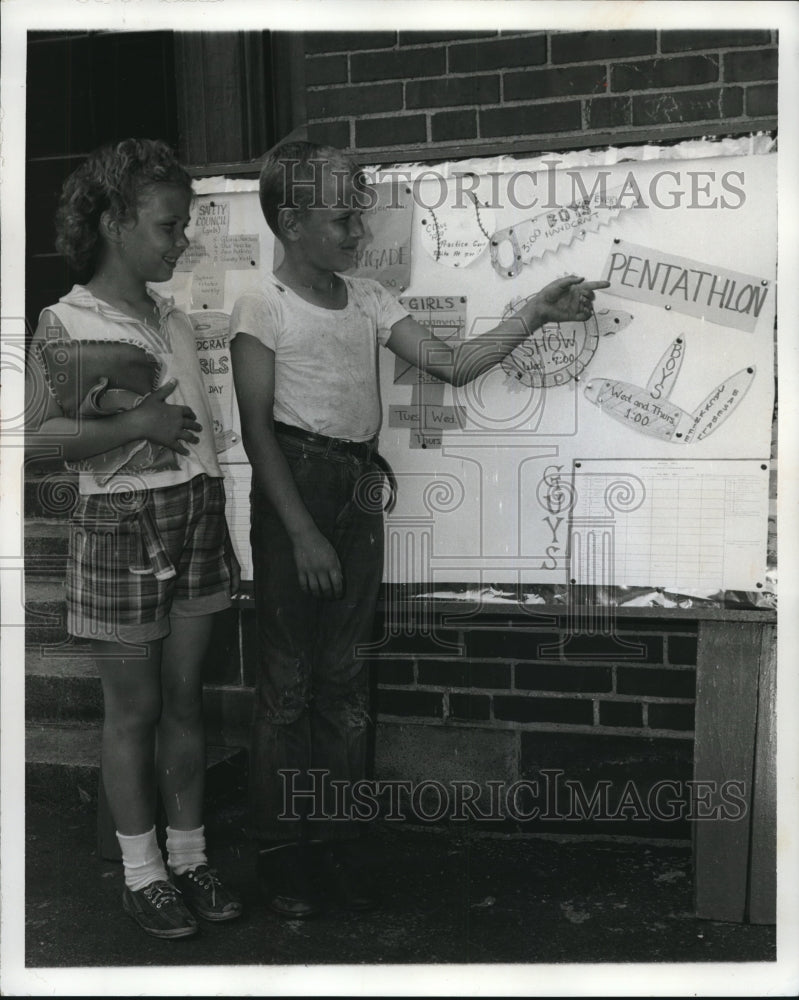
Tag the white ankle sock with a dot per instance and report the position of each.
(141, 859)
(186, 849)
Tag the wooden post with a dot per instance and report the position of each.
(763, 866)
(724, 749)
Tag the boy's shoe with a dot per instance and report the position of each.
(285, 880)
(346, 878)
(159, 910)
(206, 895)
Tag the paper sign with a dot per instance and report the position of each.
(457, 234)
(444, 316)
(213, 353)
(715, 294)
(238, 478)
(529, 239)
(427, 417)
(237, 252)
(646, 409)
(385, 251)
(692, 526)
(207, 287)
(212, 217)
(211, 221)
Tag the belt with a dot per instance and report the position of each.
(364, 451)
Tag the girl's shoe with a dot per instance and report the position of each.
(206, 895)
(159, 910)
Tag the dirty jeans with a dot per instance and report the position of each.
(311, 690)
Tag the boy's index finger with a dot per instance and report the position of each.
(593, 285)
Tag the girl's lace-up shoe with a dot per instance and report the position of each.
(159, 910)
(206, 895)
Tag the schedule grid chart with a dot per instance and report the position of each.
(696, 526)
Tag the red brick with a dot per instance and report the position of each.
(608, 112)
(325, 69)
(394, 672)
(449, 125)
(470, 707)
(623, 623)
(424, 704)
(761, 100)
(336, 102)
(647, 74)
(512, 644)
(396, 131)
(620, 713)
(685, 41)
(682, 649)
(713, 104)
(531, 119)
(330, 134)
(462, 673)
(412, 639)
(752, 64)
(541, 83)
(586, 46)
(348, 41)
(564, 677)
(663, 683)
(629, 648)
(671, 717)
(430, 37)
(520, 709)
(452, 90)
(404, 65)
(471, 57)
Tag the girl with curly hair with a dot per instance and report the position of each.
(150, 560)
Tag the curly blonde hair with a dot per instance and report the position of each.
(111, 179)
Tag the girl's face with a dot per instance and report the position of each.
(152, 244)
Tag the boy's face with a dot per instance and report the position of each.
(153, 242)
(327, 234)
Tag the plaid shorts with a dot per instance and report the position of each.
(138, 556)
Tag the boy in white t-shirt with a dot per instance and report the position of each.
(304, 352)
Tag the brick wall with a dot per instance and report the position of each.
(407, 93)
(518, 697)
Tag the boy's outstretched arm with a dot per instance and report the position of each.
(318, 567)
(566, 299)
(73, 438)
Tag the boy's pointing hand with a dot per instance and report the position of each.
(567, 299)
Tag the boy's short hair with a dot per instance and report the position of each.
(292, 176)
(113, 179)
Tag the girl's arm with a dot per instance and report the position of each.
(79, 437)
(318, 566)
(561, 301)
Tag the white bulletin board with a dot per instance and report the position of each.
(675, 371)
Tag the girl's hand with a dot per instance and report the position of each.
(318, 566)
(165, 423)
(567, 299)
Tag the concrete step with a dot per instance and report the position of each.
(62, 762)
(62, 685)
(45, 549)
(50, 492)
(45, 613)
